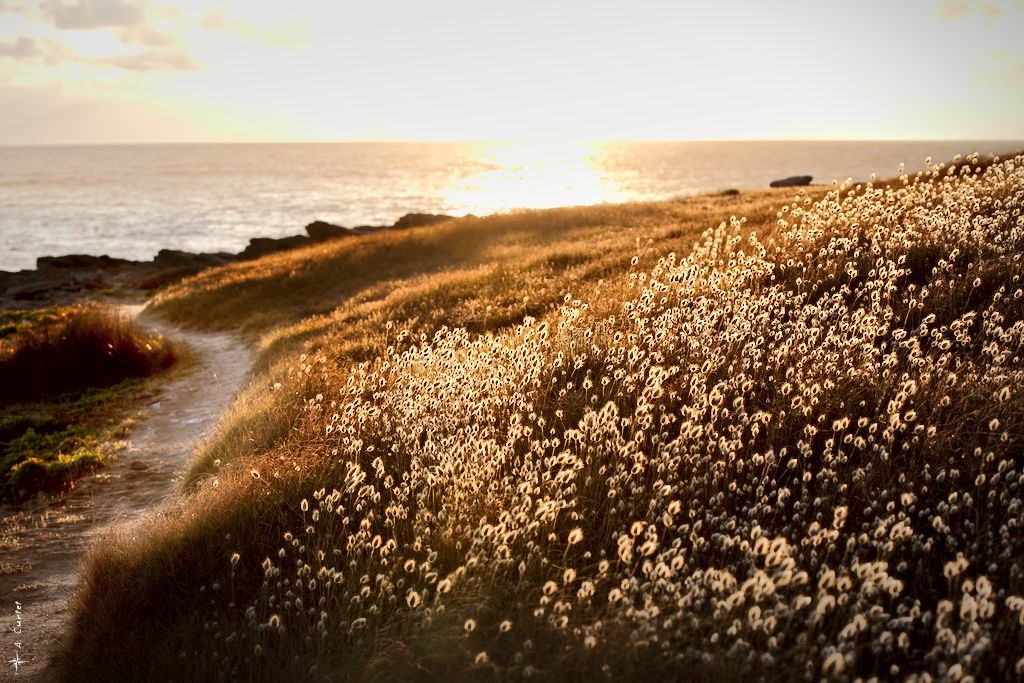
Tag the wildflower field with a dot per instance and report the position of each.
(641, 442)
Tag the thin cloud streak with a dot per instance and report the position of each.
(216, 20)
(52, 53)
(146, 35)
(151, 60)
(26, 48)
(21, 48)
(93, 14)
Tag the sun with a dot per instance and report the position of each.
(518, 175)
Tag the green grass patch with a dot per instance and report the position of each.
(45, 446)
(19, 321)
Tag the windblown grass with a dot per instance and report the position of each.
(791, 450)
(318, 285)
(479, 274)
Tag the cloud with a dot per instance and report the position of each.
(21, 48)
(89, 14)
(146, 35)
(130, 16)
(52, 52)
(151, 60)
(216, 20)
(15, 6)
(126, 19)
(951, 10)
(26, 48)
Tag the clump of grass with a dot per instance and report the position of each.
(30, 469)
(84, 347)
(794, 454)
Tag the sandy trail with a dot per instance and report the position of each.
(42, 544)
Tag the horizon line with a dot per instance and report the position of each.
(492, 141)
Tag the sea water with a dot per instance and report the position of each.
(130, 201)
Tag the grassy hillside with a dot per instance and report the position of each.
(607, 442)
(351, 298)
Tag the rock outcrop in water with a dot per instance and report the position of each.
(65, 279)
(320, 231)
(261, 246)
(792, 181)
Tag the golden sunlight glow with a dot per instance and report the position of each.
(535, 175)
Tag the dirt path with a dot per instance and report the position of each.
(42, 545)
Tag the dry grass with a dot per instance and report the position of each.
(81, 348)
(315, 284)
(789, 455)
(480, 274)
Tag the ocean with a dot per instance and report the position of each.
(130, 201)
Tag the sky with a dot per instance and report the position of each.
(127, 71)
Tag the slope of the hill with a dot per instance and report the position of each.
(788, 448)
(350, 297)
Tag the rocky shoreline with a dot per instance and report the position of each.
(58, 280)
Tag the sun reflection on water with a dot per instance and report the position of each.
(532, 175)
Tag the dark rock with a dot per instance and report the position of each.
(416, 220)
(171, 265)
(35, 290)
(730, 193)
(792, 181)
(320, 231)
(63, 280)
(185, 260)
(80, 262)
(261, 246)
